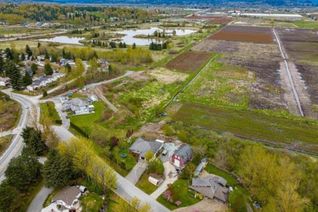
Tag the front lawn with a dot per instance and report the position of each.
(145, 185)
(180, 192)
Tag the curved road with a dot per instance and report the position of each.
(16, 145)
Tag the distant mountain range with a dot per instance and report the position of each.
(185, 2)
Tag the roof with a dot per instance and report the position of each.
(200, 167)
(208, 180)
(184, 151)
(68, 195)
(141, 146)
(211, 186)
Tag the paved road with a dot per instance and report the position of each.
(125, 189)
(16, 145)
(137, 171)
(38, 201)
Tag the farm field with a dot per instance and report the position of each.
(251, 125)
(302, 46)
(260, 61)
(9, 112)
(244, 34)
(189, 62)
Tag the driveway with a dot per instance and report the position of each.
(38, 201)
(170, 177)
(137, 171)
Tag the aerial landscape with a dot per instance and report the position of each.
(155, 106)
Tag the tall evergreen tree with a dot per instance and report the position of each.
(48, 69)
(33, 139)
(27, 79)
(14, 74)
(58, 170)
(28, 51)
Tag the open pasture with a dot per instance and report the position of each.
(244, 34)
(189, 62)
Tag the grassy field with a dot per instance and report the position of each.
(306, 24)
(9, 112)
(249, 124)
(4, 143)
(220, 84)
(49, 114)
(145, 185)
(182, 194)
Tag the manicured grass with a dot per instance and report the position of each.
(129, 161)
(182, 193)
(49, 113)
(250, 124)
(4, 143)
(88, 122)
(145, 185)
(91, 202)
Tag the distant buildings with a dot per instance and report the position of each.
(44, 81)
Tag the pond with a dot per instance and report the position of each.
(130, 35)
(64, 40)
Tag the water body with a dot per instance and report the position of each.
(64, 40)
(129, 35)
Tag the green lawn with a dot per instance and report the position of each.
(91, 202)
(88, 122)
(145, 185)
(182, 193)
(250, 124)
(49, 113)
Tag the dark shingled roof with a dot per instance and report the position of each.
(67, 194)
(141, 146)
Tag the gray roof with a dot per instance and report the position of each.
(184, 151)
(200, 167)
(141, 146)
(211, 186)
(67, 194)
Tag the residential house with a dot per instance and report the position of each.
(64, 61)
(66, 199)
(44, 81)
(78, 106)
(211, 186)
(4, 81)
(181, 156)
(141, 146)
(103, 65)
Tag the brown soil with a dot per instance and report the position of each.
(213, 20)
(261, 59)
(244, 34)
(189, 61)
(302, 48)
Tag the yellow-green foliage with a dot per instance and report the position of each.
(86, 159)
